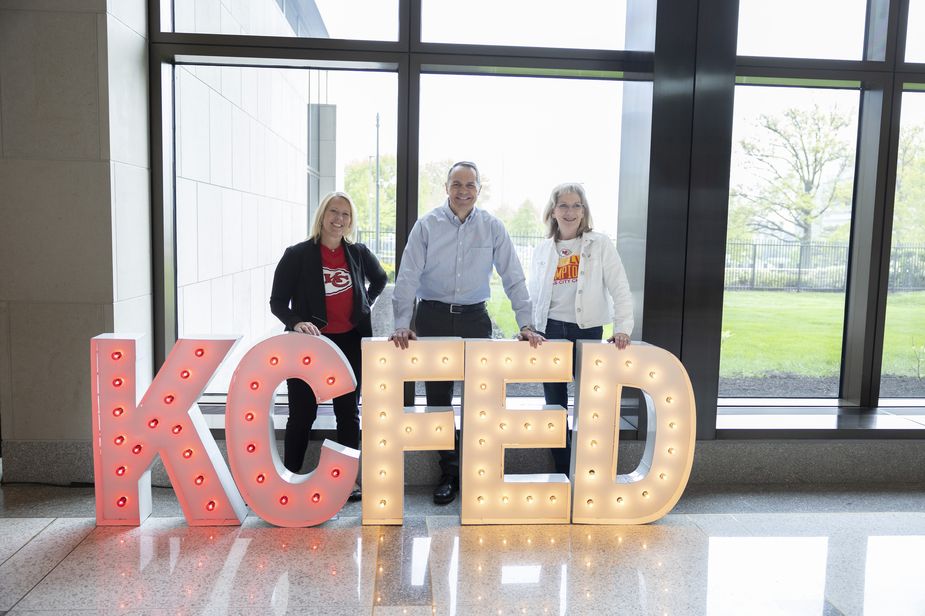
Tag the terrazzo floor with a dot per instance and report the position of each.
(723, 550)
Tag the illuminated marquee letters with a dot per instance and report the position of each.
(275, 494)
(488, 495)
(167, 422)
(389, 430)
(648, 493)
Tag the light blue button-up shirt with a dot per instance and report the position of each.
(450, 261)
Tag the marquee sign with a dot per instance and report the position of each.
(168, 422)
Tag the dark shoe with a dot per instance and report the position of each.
(356, 494)
(445, 493)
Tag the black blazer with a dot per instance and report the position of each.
(298, 286)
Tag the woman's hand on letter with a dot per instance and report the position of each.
(304, 327)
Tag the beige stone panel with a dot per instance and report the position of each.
(127, 54)
(49, 68)
(6, 375)
(133, 231)
(50, 367)
(86, 6)
(56, 236)
(103, 85)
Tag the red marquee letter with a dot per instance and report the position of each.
(167, 422)
(275, 494)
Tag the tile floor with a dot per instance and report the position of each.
(738, 550)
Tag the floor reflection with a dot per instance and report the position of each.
(685, 564)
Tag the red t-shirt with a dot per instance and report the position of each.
(338, 290)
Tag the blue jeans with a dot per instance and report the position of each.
(557, 393)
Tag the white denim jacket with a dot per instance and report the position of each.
(603, 292)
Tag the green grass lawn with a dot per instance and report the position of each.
(786, 332)
(801, 333)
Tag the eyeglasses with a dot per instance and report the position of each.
(565, 207)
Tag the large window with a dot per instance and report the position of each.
(772, 124)
(802, 28)
(579, 24)
(915, 43)
(903, 366)
(787, 241)
(338, 19)
(257, 148)
(527, 135)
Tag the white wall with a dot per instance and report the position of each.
(242, 191)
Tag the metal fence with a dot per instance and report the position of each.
(819, 266)
(386, 248)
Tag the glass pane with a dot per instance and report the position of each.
(580, 24)
(526, 136)
(903, 367)
(802, 28)
(915, 42)
(256, 150)
(791, 185)
(375, 20)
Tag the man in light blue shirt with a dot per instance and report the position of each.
(446, 266)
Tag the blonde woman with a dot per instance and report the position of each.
(577, 285)
(320, 289)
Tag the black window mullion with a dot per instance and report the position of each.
(409, 104)
(865, 299)
(711, 151)
(163, 211)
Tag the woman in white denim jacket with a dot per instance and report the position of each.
(577, 285)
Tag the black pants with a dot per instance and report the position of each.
(557, 393)
(303, 407)
(435, 319)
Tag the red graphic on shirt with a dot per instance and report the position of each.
(567, 269)
(336, 281)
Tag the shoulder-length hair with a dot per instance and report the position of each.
(323, 207)
(552, 227)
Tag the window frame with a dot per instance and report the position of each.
(693, 68)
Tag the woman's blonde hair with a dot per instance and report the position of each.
(552, 227)
(323, 207)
